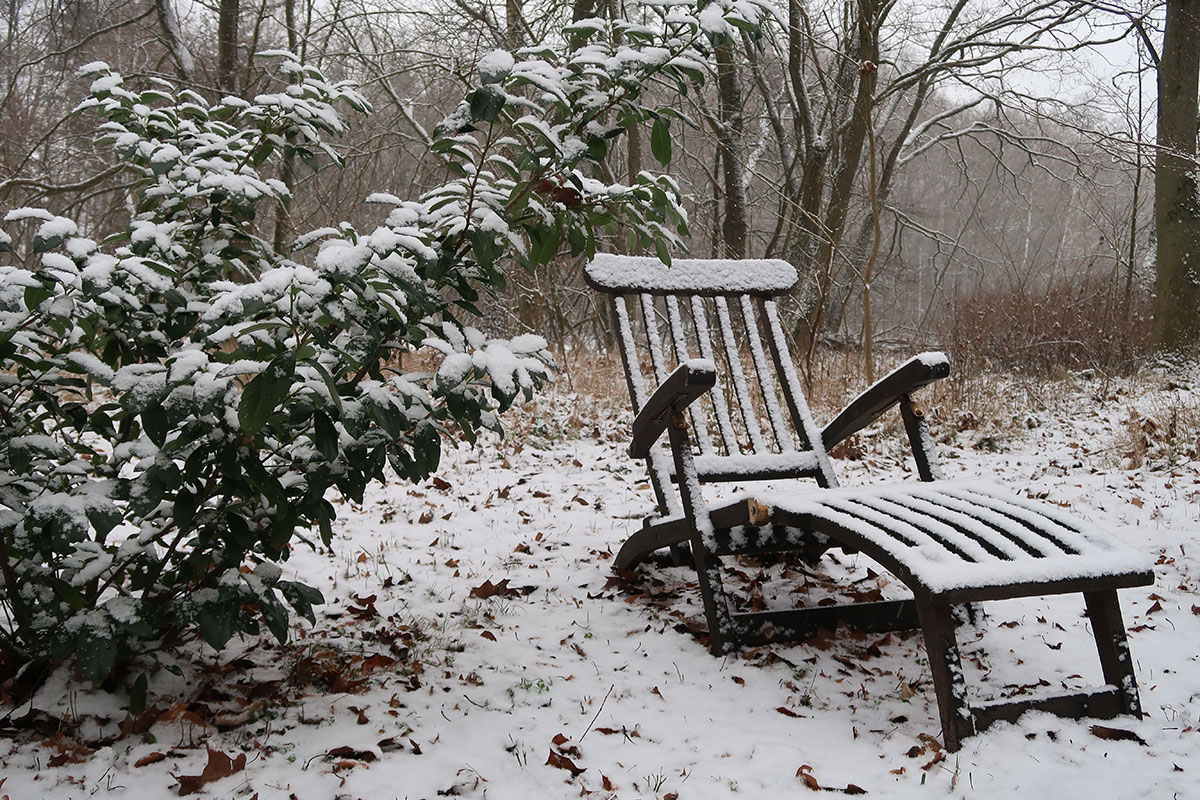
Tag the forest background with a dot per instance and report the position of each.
(976, 176)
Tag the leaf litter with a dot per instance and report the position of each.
(478, 619)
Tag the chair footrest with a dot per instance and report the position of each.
(763, 627)
(1103, 703)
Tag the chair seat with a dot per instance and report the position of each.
(963, 540)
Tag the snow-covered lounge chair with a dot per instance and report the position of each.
(950, 542)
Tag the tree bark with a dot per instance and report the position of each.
(729, 141)
(1176, 194)
(513, 25)
(227, 46)
(169, 23)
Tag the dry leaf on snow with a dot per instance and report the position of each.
(219, 766)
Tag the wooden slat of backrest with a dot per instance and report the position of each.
(740, 389)
(765, 381)
(793, 393)
(704, 337)
(633, 374)
(656, 463)
(679, 341)
(658, 361)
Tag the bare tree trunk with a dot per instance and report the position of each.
(513, 24)
(227, 46)
(580, 10)
(173, 37)
(729, 139)
(815, 151)
(1131, 267)
(849, 157)
(868, 330)
(1176, 198)
(287, 171)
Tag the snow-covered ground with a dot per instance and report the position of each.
(476, 643)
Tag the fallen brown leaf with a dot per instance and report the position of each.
(69, 750)
(1116, 734)
(345, 752)
(562, 762)
(151, 758)
(219, 766)
(805, 774)
(377, 661)
(488, 589)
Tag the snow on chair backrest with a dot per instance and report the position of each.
(720, 310)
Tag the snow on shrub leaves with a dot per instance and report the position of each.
(177, 399)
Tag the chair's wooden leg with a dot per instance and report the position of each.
(681, 555)
(937, 625)
(721, 633)
(924, 452)
(1117, 664)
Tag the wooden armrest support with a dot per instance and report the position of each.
(681, 388)
(919, 371)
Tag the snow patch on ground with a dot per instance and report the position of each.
(476, 643)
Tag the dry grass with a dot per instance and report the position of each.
(1162, 430)
(1075, 323)
(984, 409)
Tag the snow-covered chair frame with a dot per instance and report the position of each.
(951, 543)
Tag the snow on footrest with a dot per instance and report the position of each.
(958, 535)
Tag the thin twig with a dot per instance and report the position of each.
(598, 710)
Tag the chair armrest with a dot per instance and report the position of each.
(690, 379)
(918, 371)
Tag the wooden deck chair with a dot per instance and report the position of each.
(952, 543)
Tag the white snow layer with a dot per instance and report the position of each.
(688, 275)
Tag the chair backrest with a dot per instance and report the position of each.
(755, 423)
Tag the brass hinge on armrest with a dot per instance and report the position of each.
(913, 406)
(760, 513)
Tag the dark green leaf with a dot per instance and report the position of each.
(664, 252)
(283, 525)
(95, 655)
(104, 519)
(137, 695)
(185, 509)
(46, 244)
(660, 141)
(66, 592)
(302, 598)
(275, 616)
(155, 424)
(35, 296)
(326, 435)
(216, 624)
(486, 103)
(263, 395)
